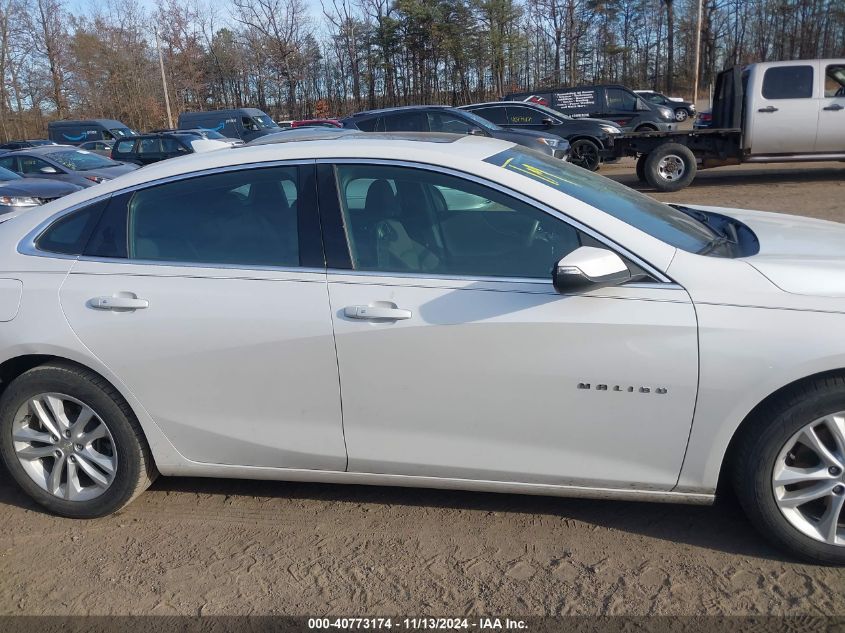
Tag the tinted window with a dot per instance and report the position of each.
(237, 218)
(406, 122)
(788, 82)
(449, 123)
(149, 146)
(172, 146)
(69, 234)
(494, 115)
(8, 174)
(367, 125)
(8, 163)
(124, 147)
(400, 219)
(32, 165)
(620, 100)
(525, 116)
(659, 220)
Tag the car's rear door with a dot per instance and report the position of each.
(785, 109)
(207, 297)
(458, 359)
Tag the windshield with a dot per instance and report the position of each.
(211, 134)
(264, 122)
(484, 124)
(6, 174)
(81, 160)
(655, 218)
(120, 132)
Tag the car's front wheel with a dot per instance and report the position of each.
(72, 442)
(585, 153)
(681, 115)
(789, 471)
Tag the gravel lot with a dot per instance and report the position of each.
(191, 546)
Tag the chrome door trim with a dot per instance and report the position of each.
(651, 269)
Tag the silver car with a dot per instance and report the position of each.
(434, 311)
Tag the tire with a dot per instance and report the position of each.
(681, 115)
(110, 445)
(586, 154)
(670, 167)
(761, 449)
(641, 167)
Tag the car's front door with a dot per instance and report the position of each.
(207, 297)
(458, 359)
(620, 107)
(831, 136)
(522, 118)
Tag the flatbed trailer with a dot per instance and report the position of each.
(752, 122)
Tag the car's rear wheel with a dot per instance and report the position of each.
(585, 153)
(72, 442)
(670, 167)
(789, 471)
(681, 115)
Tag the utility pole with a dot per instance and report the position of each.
(696, 70)
(163, 81)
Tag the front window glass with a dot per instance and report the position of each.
(497, 115)
(244, 218)
(407, 220)
(447, 122)
(484, 124)
(655, 218)
(621, 100)
(32, 165)
(120, 132)
(80, 160)
(525, 116)
(834, 81)
(263, 122)
(788, 82)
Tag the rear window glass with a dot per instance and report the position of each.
(788, 82)
(69, 234)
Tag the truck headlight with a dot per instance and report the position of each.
(19, 201)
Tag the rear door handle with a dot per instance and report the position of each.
(119, 303)
(768, 109)
(834, 107)
(376, 312)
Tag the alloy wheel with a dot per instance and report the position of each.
(585, 154)
(808, 480)
(64, 447)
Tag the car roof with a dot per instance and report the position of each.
(103, 122)
(42, 149)
(409, 108)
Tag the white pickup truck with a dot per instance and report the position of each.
(769, 112)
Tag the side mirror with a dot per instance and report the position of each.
(548, 122)
(48, 170)
(476, 131)
(587, 268)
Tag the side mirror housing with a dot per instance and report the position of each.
(548, 122)
(48, 170)
(476, 131)
(588, 268)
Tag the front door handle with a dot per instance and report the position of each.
(119, 303)
(834, 107)
(376, 312)
(768, 109)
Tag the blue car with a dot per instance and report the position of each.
(18, 193)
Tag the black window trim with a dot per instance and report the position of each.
(27, 246)
(335, 253)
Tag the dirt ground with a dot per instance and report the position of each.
(195, 546)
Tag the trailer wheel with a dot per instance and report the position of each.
(641, 167)
(670, 167)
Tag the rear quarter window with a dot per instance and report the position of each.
(69, 235)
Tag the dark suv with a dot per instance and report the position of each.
(452, 121)
(151, 148)
(590, 139)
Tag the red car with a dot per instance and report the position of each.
(316, 123)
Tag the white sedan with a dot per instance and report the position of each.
(437, 311)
